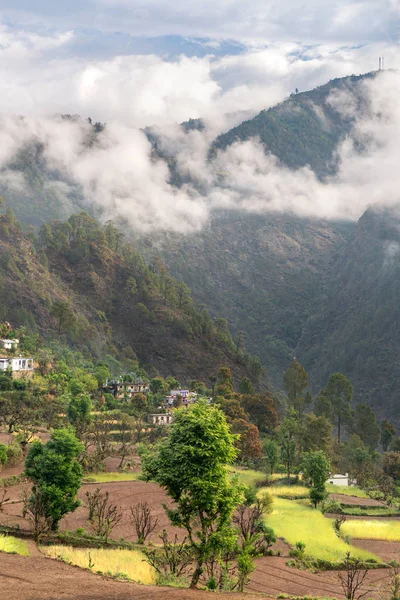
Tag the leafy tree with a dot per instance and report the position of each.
(316, 467)
(64, 316)
(261, 410)
(388, 431)
(158, 385)
(391, 465)
(78, 413)
(231, 407)
(190, 465)
(288, 452)
(271, 453)
(248, 444)
(365, 426)
(246, 387)
(339, 392)
(295, 381)
(357, 459)
(315, 433)
(56, 475)
(224, 385)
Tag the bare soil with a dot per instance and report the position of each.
(353, 500)
(387, 551)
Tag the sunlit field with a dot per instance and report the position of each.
(248, 476)
(346, 490)
(296, 522)
(290, 492)
(128, 563)
(372, 530)
(10, 544)
(108, 477)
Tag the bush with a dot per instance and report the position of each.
(331, 506)
(3, 455)
(14, 454)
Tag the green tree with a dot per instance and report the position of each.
(391, 465)
(261, 410)
(339, 392)
(365, 426)
(271, 454)
(388, 431)
(316, 468)
(295, 381)
(246, 387)
(288, 452)
(64, 317)
(56, 475)
(190, 465)
(315, 433)
(78, 413)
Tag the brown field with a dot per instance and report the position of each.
(356, 501)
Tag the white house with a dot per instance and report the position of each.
(161, 419)
(9, 344)
(17, 364)
(338, 479)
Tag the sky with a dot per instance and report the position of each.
(138, 63)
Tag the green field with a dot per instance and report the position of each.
(372, 530)
(127, 563)
(296, 522)
(346, 490)
(10, 544)
(248, 476)
(109, 477)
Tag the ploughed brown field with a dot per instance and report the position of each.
(21, 578)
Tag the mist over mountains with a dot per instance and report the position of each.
(258, 217)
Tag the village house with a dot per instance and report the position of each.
(187, 397)
(160, 419)
(19, 365)
(125, 389)
(9, 344)
(338, 479)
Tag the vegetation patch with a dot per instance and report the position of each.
(249, 476)
(370, 511)
(110, 477)
(296, 522)
(12, 545)
(128, 564)
(373, 530)
(290, 492)
(346, 490)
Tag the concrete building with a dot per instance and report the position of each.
(338, 479)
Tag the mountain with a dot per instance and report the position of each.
(356, 327)
(303, 130)
(264, 273)
(124, 308)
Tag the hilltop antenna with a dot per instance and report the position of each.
(383, 63)
(380, 63)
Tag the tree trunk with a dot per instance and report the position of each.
(196, 575)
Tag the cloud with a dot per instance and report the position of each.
(118, 172)
(311, 21)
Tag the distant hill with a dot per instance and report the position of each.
(302, 130)
(123, 306)
(356, 326)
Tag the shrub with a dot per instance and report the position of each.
(14, 454)
(3, 455)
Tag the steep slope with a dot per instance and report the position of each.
(304, 129)
(123, 307)
(265, 274)
(356, 328)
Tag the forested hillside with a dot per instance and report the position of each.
(265, 274)
(356, 328)
(304, 129)
(82, 283)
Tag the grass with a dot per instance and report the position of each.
(12, 545)
(372, 530)
(122, 563)
(357, 511)
(346, 490)
(248, 476)
(296, 522)
(109, 477)
(290, 492)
